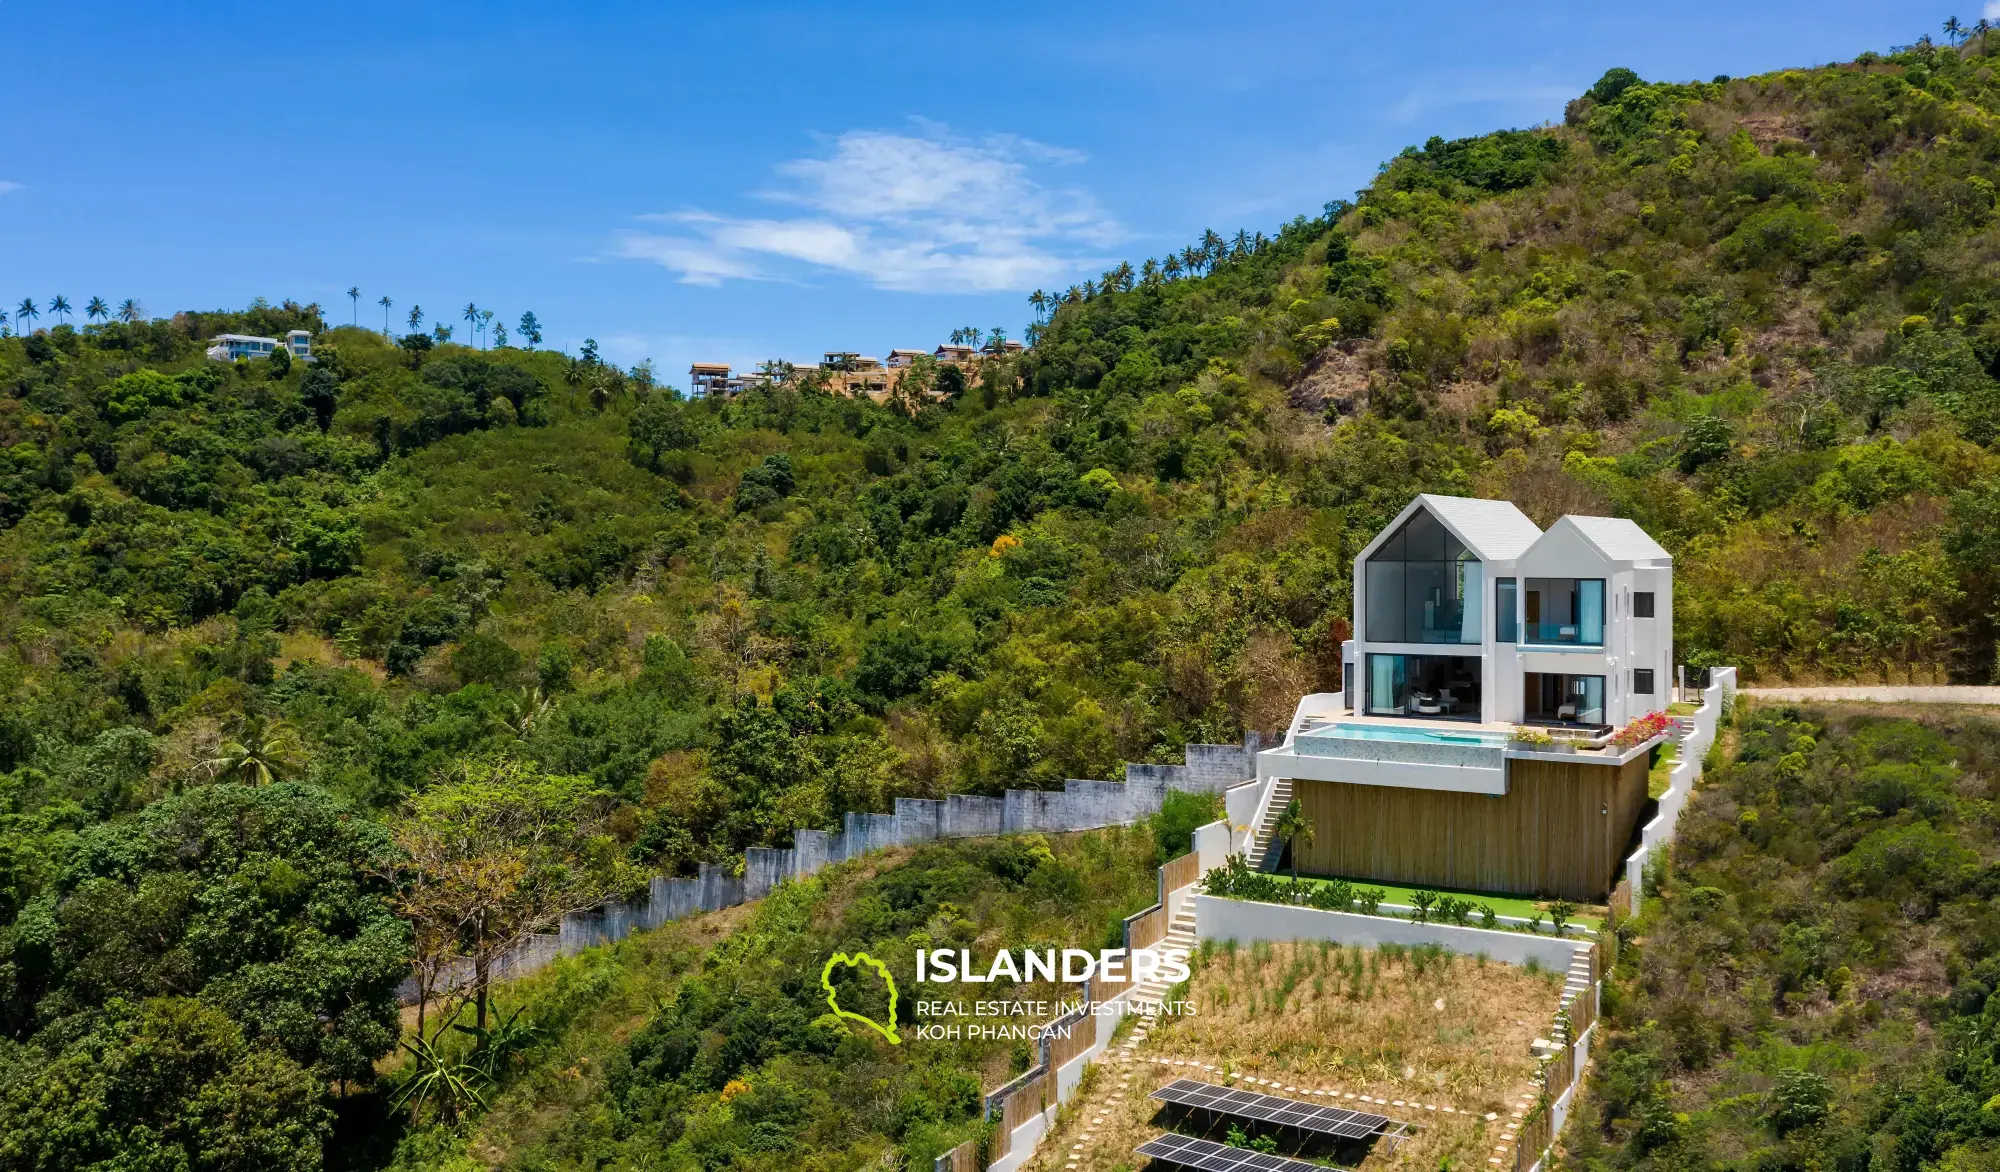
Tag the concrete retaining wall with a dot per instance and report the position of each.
(1218, 918)
(1079, 805)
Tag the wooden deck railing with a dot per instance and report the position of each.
(1178, 873)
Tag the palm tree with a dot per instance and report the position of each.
(25, 313)
(574, 375)
(261, 752)
(3, 323)
(96, 310)
(1954, 30)
(1039, 301)
(416, 318)
(60, 307)
(471, 316)
(486, 322)
(129, 311)
(1241, 245)
(996, 342)
(354, 303)
(1295, 829)
(522, 711)
(385, 303)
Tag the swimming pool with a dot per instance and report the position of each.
(1408, 735)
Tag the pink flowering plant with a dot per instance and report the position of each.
(1640, 730)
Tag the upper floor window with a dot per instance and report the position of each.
(1506, 607)
(1564, 610)
(1423, 586)
(1642, 604)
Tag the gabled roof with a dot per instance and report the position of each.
(1620, 539)
(1495, 530)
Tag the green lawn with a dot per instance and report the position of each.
(1658, 780)
(1682, 708)
(1506, 905)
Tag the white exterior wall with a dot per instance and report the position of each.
(1563, 551)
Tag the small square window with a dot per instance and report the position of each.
(1642, 681)
(1642, 604)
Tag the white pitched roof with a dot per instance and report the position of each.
(1495, 530)
(1620, 539)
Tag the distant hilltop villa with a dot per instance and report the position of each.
(844, 371)
(230, 347)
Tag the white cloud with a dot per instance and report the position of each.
(1992, 10)
(9, 187)
(923, 212)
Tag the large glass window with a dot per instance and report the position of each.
(1551, 698)
(1424, 586)
(1506, 607)
(1564, 610)
(1442, 687)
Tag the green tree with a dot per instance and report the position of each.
(531, 330)
(416, 318)
(24, 313)
(269, 903)
(471, 316)
(385, 303)
(262, 751)
(129, 311)
(96, 310)
(1295, 829)
(165, 1083)
(354, 303)
(502, 851)
(59, 306)
(657, 426)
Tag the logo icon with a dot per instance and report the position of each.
(833, 999)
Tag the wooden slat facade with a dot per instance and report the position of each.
(1559, 831)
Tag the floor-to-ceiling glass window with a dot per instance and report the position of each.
(1423, 586)
(1552, 698)
(1563, 610)
(1441, 687)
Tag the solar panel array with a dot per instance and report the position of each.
(1206, 1155)
(1334, 1121)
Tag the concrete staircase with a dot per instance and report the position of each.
(1576, 982)
(1177, 944)
(1264, 845)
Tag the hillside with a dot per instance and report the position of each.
(1756, 315)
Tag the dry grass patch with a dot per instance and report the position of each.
(1427, 1028)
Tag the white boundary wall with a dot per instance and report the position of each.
(1220, 918)
(1680, 783)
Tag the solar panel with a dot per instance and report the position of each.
(1208, 1156)
(1262, 1108)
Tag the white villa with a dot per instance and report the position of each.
(230, 347)
(1470, 621)
(1465, 610)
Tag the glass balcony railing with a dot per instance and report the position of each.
(1564, 634)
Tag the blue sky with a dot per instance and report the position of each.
(741, 181)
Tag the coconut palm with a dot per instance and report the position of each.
(575, 375)
(416, 318)
(96, 310)
(1954, 30)
(471, 316)
(261, 752)
(996, 341)
(129, 311)
(1295, 829)
(385, 303)
(60, 307)
(25, 313)
(354, 303)
(522, 711)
